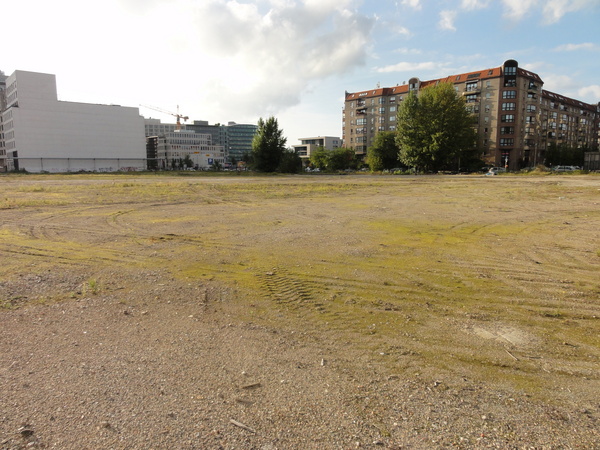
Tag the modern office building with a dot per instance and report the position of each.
(169, 150)
(154, 127)
(239, 140)
(515, 118)
(309, 145)
(43, 134)
(235, 138)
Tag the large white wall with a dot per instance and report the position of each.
(47, 128)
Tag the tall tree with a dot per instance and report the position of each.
(290, 162)
(434, 129)
(383, 154)
(268, 145)
(319, 158)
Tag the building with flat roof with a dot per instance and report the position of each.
(169, 150)
(515, 118)
(308, 145)
(235, 138)
(43, 134)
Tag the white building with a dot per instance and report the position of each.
(154, 127)
(42, 133)
(309, 145)
(172, 147)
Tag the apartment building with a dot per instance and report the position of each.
(310, 144)
(43, 134)
(516, 119)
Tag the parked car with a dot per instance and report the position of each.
(564, 168)
(495, 171)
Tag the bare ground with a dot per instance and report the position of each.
(300, 312)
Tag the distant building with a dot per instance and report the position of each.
(515, 118)
(41, 133)
(239, 140)
(235, 138)
(154, 127)
(2, 108)
(169, 150)
(309, 145)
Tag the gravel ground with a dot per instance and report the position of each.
(299, 313)
(169, 366)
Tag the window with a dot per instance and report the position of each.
(510, 71)
(530, 119)
(471, 86)
(392, 99)
(507, 118)
(507, 130)
(506, 142)
(509, 106)
(382, 110)
(509, 94)
(392, 109)
(471, 98)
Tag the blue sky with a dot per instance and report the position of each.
(241, 60)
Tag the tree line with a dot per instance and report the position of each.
(434, 132)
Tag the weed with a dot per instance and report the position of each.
(92, 286)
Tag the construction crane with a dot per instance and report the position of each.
(177, 115)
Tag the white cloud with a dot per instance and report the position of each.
(447, 20)
(408, 51)
(590, 94)
(408, 67)
(474, 4)
(274, 56)
(554, 10)
(575, 47)
(415, 4)
(517, 9)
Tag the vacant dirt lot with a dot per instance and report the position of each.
(299, 312)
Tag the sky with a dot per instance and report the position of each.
(240, 60)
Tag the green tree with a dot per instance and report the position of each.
(435, 130)
(383, 154)
(564, 155)
(341, 158)
(268, 145)
(187, 161)
(319, 158)
(290, 162)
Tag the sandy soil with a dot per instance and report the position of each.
(300, 312)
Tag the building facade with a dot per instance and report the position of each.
(239, 140)
(309, 145)
(3, 78)
(516, 119)
(169, 150)
(236, 139)
(43, 134)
